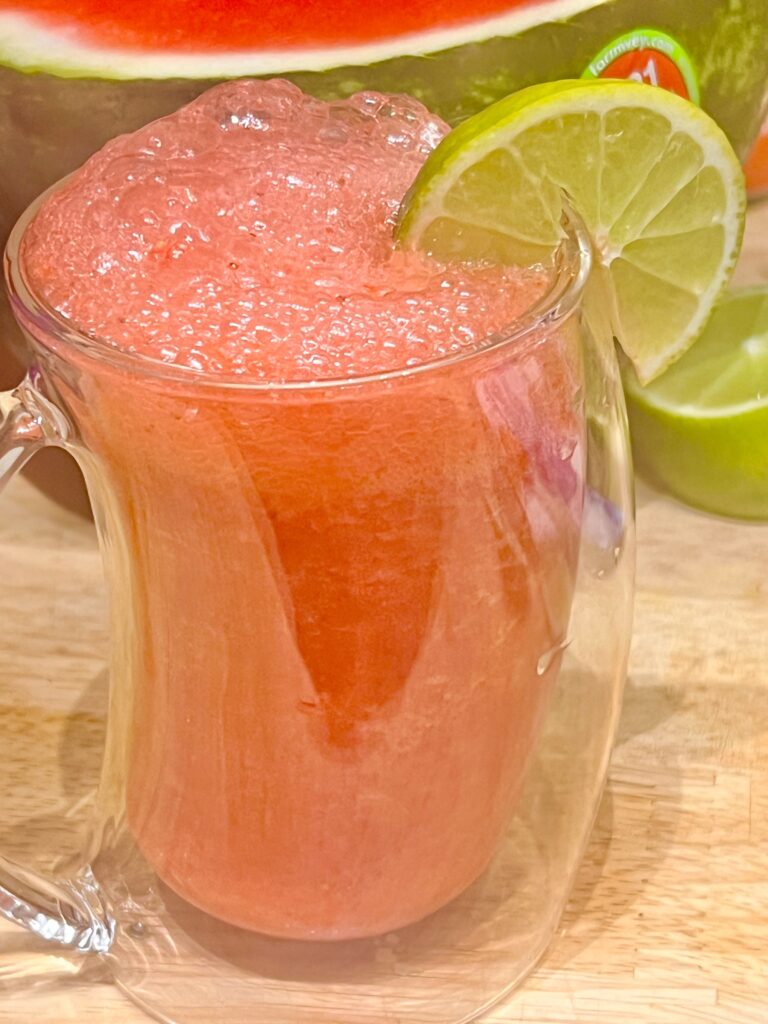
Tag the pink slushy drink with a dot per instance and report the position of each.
(345, 596)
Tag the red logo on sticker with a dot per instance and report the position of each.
(649, 67)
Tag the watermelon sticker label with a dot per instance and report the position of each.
(649, 56)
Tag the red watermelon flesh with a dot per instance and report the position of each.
(201, 26)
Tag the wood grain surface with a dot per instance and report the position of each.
(668, 922)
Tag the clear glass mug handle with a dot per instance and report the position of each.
(68, 912)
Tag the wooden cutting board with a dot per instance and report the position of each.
(668, 923)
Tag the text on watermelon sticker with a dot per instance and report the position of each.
(649, 56)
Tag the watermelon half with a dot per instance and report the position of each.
(74, 73)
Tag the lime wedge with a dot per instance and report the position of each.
(701, 429)
(653, 177)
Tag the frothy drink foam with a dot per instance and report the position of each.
(251, 233)
(344, 603)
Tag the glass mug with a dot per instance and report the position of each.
(369, 638)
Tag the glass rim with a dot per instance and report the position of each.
(571, 261)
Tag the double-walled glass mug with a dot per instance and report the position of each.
(369, 637)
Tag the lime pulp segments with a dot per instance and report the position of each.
(653, 177)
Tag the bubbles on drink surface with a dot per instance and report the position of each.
(250, 233)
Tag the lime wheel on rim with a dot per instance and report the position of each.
(653, 177)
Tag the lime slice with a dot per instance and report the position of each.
(653, 177)
(701, 430)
